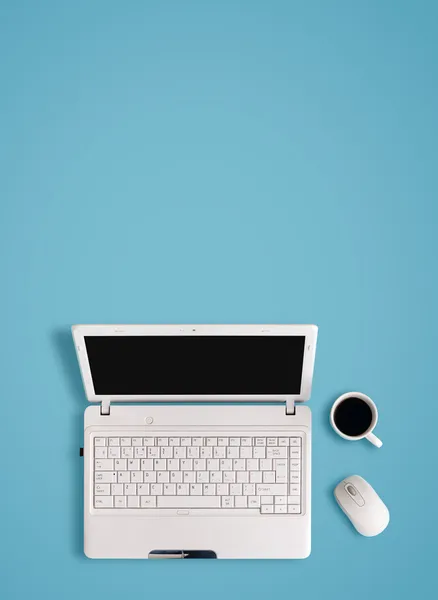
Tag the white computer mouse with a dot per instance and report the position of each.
(362, 505)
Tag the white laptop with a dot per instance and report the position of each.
(197, 442)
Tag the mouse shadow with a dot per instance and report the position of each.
(66, 355)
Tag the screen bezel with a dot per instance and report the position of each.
(308, 331)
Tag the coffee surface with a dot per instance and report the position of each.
(353, 416)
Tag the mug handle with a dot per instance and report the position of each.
(374, 440)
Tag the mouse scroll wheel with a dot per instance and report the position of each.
(351, 490)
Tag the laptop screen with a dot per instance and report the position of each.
(196, 365)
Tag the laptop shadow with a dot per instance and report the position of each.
(66, 355)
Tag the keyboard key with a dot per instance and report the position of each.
(153, 452)
(259, 452)
(148, 441)
(206, 452)
(103, 502)
(174, 441)
(104, 464)
(219, 452)
(225, 464)
(160, 464)
(209, 489)
(280, 500)
(240, 502)
(249, 489)
(130, 489)
(169, 489)
(197, 441)
(254, 502)
(242, 477)
(137, 441)
(119, 501)
(292, 499)
(188, 502)
(212, 441)
(173, 464)
(139, 451)
(227, 501)
(102, 489)
(99, 441)
(133, 502)
(294, 477)
(235, 489)
(295, 452)
(269, 477)
(246, 441)
(150, 477)
(239, 464)
(216, 477)
(120, 464)
(189, 476)
(100, 452)
(162, 441)
(279, 452)
(186, 464)
(186, 441)
(293, 509)
(295, 441)
(234, 441)
(294, 465)
(233, 452)
(196, 489)
(267, 509)
(156, 489)
(245, 452)
(124, 477)
(193, 452)
(280, 509)
(134, 464)
(182, 489)
(176, 477)
(179, 452)
(143, 489)
(147, 464)
(113, 452)
(202, 477)
(229, 476)
(255, 477)
(283, 441)
(148, 502)
(267, 500)
(117, 489)
(113, 441)
(272, 441)
(105, 476)
(222, 489)
(260, 441)
(265, 464)
(125, 441)
(271, 489)
(222, 441)
(163, 476)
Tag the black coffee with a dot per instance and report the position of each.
(353, 416)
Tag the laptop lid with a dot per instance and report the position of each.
(141, 363)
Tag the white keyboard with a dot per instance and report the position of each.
(261, 474)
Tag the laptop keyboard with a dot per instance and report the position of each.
(258, 474)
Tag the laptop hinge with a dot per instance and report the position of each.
(105, 407)
(290, 406)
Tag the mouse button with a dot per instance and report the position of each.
(353, 492)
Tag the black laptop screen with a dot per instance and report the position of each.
(196, 365)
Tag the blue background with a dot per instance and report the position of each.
(220, 162)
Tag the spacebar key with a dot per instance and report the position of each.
(188, 501)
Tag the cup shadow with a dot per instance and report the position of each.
(66, 355)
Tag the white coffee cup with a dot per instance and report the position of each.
(374, 417)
